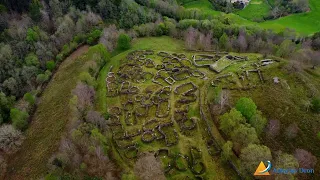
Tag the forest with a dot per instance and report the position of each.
(60, 102)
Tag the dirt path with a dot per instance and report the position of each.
(48, 123)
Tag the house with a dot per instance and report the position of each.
(242, 2)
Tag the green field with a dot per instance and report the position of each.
(303, 23)
(203, 5)
(255, 11)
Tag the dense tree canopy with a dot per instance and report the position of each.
(252, 155)
(230, 121)
(244, 135)
(247, 107)
(124, 42)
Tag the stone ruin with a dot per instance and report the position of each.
(155, 98)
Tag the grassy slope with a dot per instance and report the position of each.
(256, 9)
(43, 135)
(304, 23)
(204, 5)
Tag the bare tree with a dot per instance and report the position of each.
(148, 167)
(243, 45)
(65, 31)
(315, 59)
(200, 41)
(207, 43)
(85, 96)
(96, 118)
(109, 37)
(292, 131)
(190, 38)
(98, 164)
(276, 12)
(87, 21)
(10, 139)
(273, 128)
(305, 158)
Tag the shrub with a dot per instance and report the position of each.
(6, 102)
(32, 60)
(10, 139)
(243, 135)
(80, 38)
(19, 118)
(247, 107)
(315, 105)
(34, 10)
(258, 122)
(88, 79)
(288, 161)
(41, 78)
(59, 57)
(50, 65)
(229, 121)
(106, 116)
(33, 34)
(124, 42)
(93, 37)
(227, 151)
(162, 29)
(215, 95)
(29, 98)
(253, 154)
(48, 73)
(3, 167)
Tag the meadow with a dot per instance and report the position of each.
(303, 23)
(255, 10)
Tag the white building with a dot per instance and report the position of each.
(244, 2)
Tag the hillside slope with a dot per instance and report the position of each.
(48, 124)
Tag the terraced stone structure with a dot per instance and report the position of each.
(156, 102)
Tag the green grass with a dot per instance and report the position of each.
(303, 23)
(204, 5)
(255, 11)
